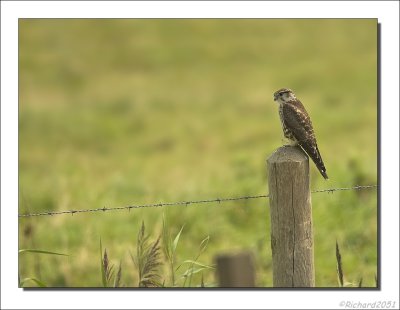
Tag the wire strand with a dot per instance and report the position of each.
(185, 203)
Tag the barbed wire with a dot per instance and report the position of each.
(185, 203)
(331, 190)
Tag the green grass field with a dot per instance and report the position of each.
(121, 112)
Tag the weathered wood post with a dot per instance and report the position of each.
(235, 270)
(291, 218)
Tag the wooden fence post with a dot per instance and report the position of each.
(291, 218)
(235, 270)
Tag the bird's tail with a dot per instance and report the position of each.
(313, 152)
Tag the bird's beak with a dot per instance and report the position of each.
(275, 97)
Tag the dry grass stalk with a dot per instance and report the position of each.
(108, 268)
(147, 260)
(339, 265)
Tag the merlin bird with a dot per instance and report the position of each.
(297, 126)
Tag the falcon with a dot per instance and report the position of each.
(297, 126)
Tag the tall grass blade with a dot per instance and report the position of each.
(204, 244)
(189, 261)
(103, 273)
(339, 265)
(117, 279)
(169, 248)
(40, 252)
(202, 248)
(176, 240)
(166, 239)
(38, 282)
(192, 271)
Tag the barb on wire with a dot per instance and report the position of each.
(185, 203)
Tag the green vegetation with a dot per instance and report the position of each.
(22, 282)
(121, 112)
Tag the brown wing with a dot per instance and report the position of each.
(296, 119)
(298, 122)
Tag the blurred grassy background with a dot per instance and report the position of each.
(120, 112)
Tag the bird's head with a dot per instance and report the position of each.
(283, 95)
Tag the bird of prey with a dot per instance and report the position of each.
(297, 126)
